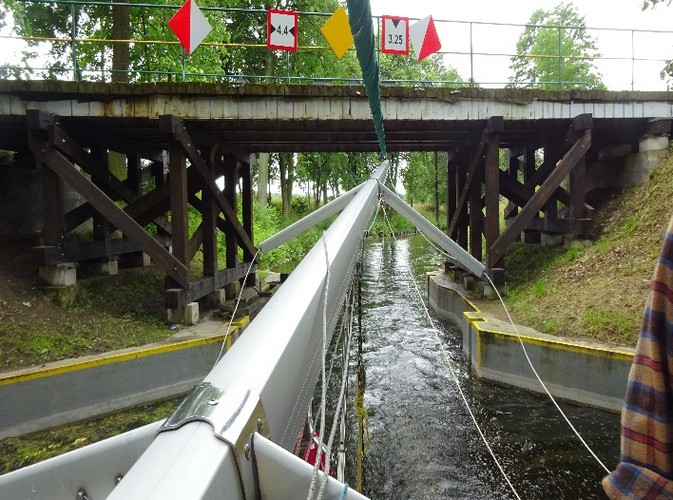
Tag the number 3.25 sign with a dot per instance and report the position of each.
(395, 39)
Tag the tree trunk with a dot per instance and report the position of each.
(262, 178)
(436, 189)
(121, 30)
(286, 166)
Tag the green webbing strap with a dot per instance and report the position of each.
(360, 18)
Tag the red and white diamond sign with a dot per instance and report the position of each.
(424, 38)
(190, 26)
(282, 30)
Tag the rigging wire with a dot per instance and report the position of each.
(532, 367)
(323, 395)
(233, 314)
(340, 401)
(454, 376)
(537, 376)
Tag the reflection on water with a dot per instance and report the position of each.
(423, 442)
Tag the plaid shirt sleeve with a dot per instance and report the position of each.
(645, 470)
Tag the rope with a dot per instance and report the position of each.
(323, 395)
(340, 402)
(454, 376)
(343, 492)
(537, 376)
(233, 314)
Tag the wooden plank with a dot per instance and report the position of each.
(230, 182)
(50, 255)
(108, 183)
(451, 189)
(541, 196)
(195, 242)
(53, 203)
(66, 171)
(209, 213)
(461, 212)
(577, 187)
(176, 298)
(247, 203)
(476, 216)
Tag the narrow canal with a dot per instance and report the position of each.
(423, 442)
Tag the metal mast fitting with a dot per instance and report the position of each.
(433, 233)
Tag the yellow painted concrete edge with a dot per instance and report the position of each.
(61, 367)
(481, 324)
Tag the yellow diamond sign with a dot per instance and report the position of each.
(337, 31)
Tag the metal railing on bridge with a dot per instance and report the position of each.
(79, 45)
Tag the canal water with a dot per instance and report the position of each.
(423, 442)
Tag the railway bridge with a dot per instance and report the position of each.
(177, 140)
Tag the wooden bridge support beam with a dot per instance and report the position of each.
(573, 158)
(492, 190)
(48, 151)
(230, 182)
(451, 188)
(60, 153)
(470, 194)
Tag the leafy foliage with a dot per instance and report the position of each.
(556, 51)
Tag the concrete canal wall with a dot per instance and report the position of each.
(67, 391)
(583, 372)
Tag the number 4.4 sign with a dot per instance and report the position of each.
(395, 35)
(282, 30)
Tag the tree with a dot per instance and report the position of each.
(407, 68)
(555, 51)
(668, 67)
(423, 179)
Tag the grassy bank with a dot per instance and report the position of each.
(594, 289)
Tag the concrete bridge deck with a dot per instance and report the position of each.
(263, 118)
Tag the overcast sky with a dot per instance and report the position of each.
(623, 14)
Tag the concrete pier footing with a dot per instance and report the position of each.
(106, 268)
(189, 314)
(64, 274)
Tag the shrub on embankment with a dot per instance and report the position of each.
(595, 289)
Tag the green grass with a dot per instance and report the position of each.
(32, 448)
(597, 321)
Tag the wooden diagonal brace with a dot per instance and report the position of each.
(495, 125)
(541, 196)
(58, 163)
(182, 136)
(73, 151)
